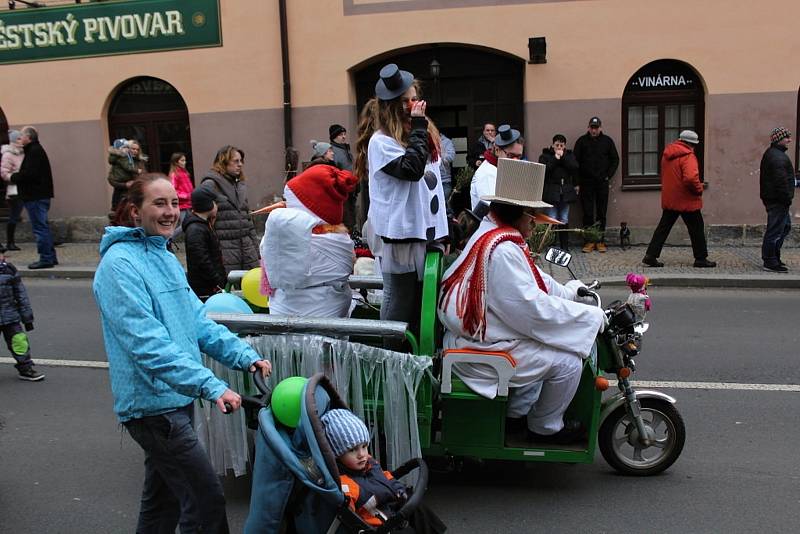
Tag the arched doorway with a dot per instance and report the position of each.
(464, 86)
(660, 99)
(154, 113)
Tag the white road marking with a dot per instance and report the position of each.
(713, 385)
(62, 363)
(664, 384)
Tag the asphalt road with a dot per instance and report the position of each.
(65, 466)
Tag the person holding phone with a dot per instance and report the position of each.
(398, 153)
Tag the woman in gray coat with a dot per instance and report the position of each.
(234, 225)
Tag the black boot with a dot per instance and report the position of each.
(10, 244)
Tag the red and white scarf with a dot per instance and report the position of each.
(469, 280)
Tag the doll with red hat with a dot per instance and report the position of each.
(306, 251)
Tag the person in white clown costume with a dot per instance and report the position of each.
(494, 298)
(307, 254)
(507, 144)
(398, 152)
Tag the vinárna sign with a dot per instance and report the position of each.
(664, 75)
(110, 28)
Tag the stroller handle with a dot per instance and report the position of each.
(408, 509)
(261, 384)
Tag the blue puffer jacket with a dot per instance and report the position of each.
(155, 328)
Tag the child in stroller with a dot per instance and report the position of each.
(296, 482)
(372, 493)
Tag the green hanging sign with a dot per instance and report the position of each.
(107, 28)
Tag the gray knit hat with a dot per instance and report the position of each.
(344, 430)
(14, 135)
(689, 136)
(319, 148)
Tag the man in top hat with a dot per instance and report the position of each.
(507, 144)
(307, 254)
(598, 161)
(777, 191)
(681, 196)
(509, 305)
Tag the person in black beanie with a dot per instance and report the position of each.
(343, 159)
(777, 184)
(206, 272)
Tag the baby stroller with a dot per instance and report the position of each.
(295, 477)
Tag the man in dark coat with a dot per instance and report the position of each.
(559, 183)
(484, 143)
(777, 191)
(35, 185)
(343, 159)
(598, 160)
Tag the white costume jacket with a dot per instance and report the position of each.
(309, 272)
(483, 183)
(536, 328)
(402, 209)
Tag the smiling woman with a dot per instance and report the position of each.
(155, 207)
(154, 329)
(148, 188)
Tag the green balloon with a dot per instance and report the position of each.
(286, 400)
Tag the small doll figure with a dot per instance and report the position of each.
(639, 300)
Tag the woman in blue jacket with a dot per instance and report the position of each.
(155, 329)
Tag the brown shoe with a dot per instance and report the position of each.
(588, 247)
(601, 247)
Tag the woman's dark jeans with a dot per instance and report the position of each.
(180, 485)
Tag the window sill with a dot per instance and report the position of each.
(640, 187)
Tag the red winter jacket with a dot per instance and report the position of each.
(681, 188)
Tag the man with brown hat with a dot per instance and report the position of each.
(681, 196)
(777, 191)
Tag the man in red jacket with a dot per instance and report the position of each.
(681, 196)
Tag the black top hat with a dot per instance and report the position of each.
(393, 83)
(506, 135)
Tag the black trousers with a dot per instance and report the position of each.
(594, 201)
(694, 223)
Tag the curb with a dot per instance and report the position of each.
(752, 281)
(63, 273)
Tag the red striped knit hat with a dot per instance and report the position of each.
(779, 134)
(323, 189)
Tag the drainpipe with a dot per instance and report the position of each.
(287, 86)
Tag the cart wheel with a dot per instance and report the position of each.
(619, 439)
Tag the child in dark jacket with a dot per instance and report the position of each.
(206, 272)
(374, 494)
(15, 310)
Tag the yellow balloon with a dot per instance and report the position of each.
(251, 284)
